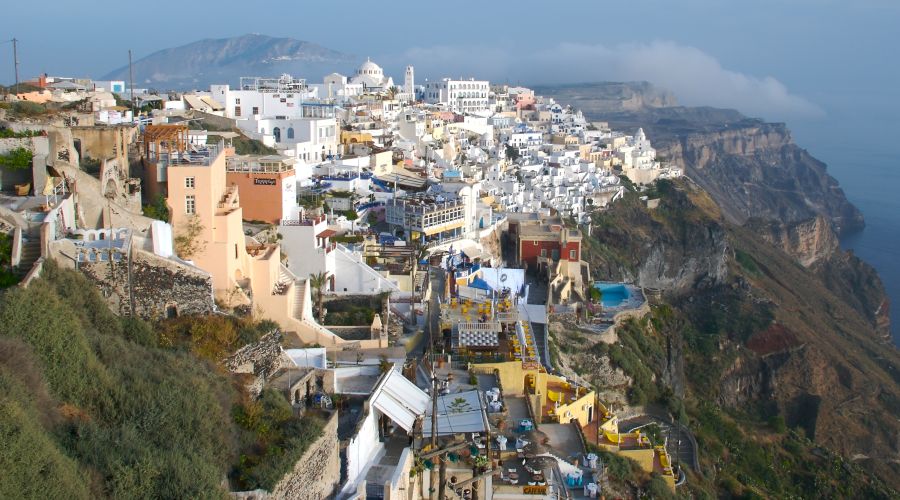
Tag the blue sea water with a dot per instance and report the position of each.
(858, 142)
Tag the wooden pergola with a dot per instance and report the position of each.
(165, 138)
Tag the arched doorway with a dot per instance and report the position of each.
(277, 133)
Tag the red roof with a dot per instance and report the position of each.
(326, 233)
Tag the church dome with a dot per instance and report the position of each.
(369, 68)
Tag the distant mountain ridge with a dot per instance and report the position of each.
(225, 60)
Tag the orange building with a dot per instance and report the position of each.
(268, 186)
(207, 211)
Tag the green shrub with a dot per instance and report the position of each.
(777, 424)
(17, 159)
(147, 422)
(618, 467)
(275, 440)
(746, 261)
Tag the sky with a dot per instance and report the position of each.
(770, 58)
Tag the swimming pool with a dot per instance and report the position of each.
(614, 294)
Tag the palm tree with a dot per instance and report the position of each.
(317, 282)
(392, 92)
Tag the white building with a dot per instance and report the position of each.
(310, 134)
(371, 77)
(461, 96)
(263, 97)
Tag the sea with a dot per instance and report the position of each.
(859, 140)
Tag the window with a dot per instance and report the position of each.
(190, 204)
(543, 252)
(571, 254)
(534, 242)
(237, 111)
(290, 132)
(189, 182)
(237, 101)
(255, 110)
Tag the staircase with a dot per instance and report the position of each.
(299, 297)
(31, 252)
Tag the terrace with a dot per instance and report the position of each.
(259, 164)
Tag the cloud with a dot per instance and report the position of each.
(695, 77)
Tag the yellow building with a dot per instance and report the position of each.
(634, 445)
(557, 399)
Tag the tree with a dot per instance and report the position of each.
(187, 241)
(512, 154)
(17, 159)
(351, 216)
(158, 209)
(392, 92)
(317, 283)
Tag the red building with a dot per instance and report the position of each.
(540, 241)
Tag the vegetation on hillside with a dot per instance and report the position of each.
(714, 332)
(94, 405)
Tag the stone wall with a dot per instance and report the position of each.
(151, 287)
(261, 359)
(316, 475)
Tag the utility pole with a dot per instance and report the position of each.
(434, 391)
(15, 43)
(131, 84)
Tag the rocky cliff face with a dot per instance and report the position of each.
(764, 334)
(673, 249)
(608, 97)
(814, 245)
(808, 241)
(753, 169)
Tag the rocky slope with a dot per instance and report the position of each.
(225, 60)
(759, 334)
(597, 98)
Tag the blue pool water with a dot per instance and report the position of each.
(614, 294)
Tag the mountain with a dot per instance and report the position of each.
(225, 60)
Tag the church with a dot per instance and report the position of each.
(371, 77)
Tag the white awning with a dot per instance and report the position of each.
(399, 399)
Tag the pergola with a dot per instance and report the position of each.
(167, 138)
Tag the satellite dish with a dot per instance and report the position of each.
(503, 277)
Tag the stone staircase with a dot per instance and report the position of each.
(31, 252)
(299, 297)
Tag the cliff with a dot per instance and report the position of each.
(759, 334)
(753, 169)
(606, 97)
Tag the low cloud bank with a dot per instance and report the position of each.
(696, 78)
